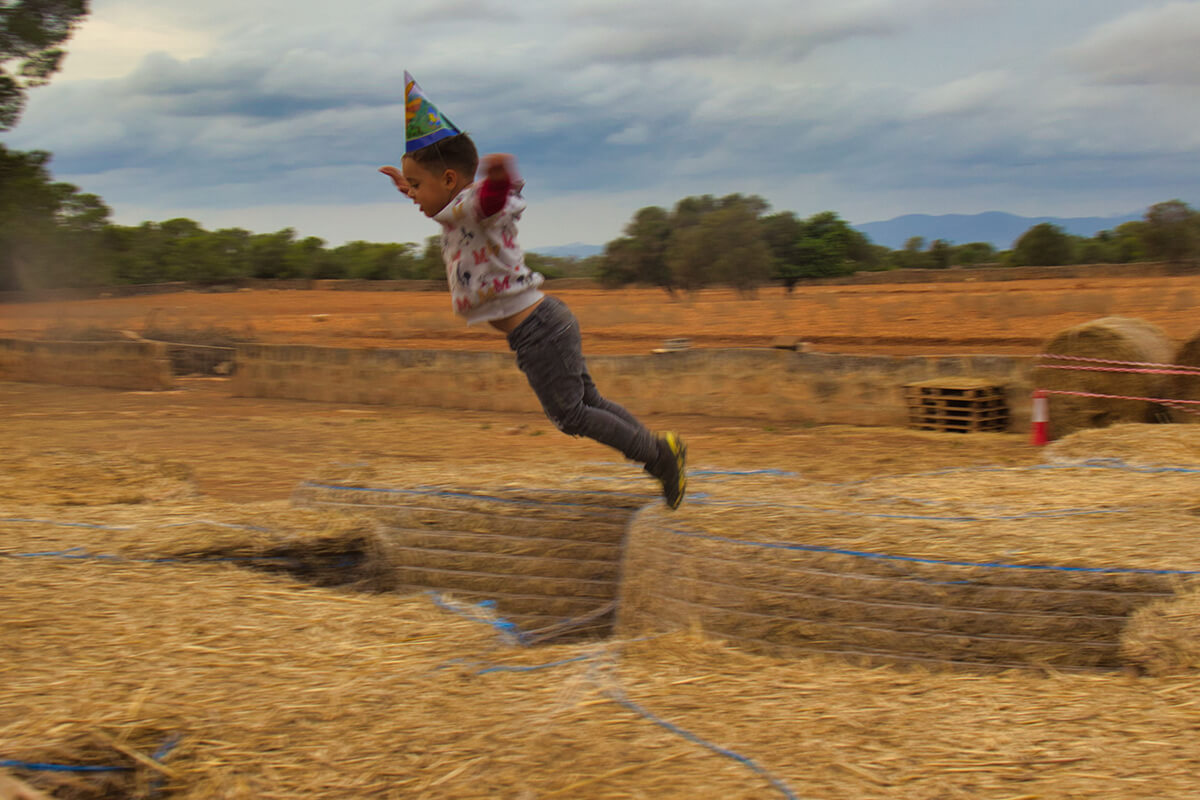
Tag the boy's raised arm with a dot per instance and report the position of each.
(499, 173)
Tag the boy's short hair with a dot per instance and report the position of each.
(455, 152)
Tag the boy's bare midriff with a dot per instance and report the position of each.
(509, 324)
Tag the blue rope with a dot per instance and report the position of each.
(161, 753)
(812, 548)
(777, 472)
(507, 628)
(40, 767)
(619, 697)
(1095, 463)
(69, 524)
(1047, 514)
(517, 668)
(750, 763)
(169, 744)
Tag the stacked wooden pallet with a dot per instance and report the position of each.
(957, 405)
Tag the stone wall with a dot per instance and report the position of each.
(771, 385)
(113, 365)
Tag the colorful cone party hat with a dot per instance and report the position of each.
(423, 123)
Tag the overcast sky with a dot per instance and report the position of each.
(264, 114)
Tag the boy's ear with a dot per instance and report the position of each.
(449, 177)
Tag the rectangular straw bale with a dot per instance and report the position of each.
(928, 617)
(954, 647)
(845, 576)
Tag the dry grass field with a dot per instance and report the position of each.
(149, 623)
(1004, 317)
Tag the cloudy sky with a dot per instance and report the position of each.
(264, 114)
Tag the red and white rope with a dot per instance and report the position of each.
(1058, 357)
(1184, 371)
(1182, 405)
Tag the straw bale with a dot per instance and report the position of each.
(507, 538)
(1164, 637)
(1039, 565)
(1186, 387)
(1131, 443)
(1113, 338)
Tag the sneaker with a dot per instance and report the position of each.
(671, 468)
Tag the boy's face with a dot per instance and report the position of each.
(429, 190)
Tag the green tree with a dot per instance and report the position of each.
(724, 245)
(50, 234)
(268, 253)
(824, 246)
(1172, 231)
(973, 253)
(30, 34)
(640, 256)
(941, 253)
(1043, 245)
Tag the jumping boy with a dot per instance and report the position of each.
(489, 282)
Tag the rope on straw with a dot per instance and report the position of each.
(1057, 357)
(161, 753)
(509, 632)
(618, 695)
(1133, 367)
(812, 548)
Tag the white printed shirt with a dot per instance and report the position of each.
(485, 265)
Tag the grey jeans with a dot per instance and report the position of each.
(550, 354)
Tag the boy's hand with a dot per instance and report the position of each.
(498, 167)
(398, 179)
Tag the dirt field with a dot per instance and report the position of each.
(1009, 317)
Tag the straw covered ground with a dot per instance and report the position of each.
(160, 619)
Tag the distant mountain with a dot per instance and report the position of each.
(573, 250)
(996, 227)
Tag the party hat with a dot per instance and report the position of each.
(423, 123)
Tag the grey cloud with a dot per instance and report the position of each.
(713, 98)
(758, 29)
(1150, 46)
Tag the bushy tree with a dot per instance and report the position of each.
(973, 253)
(30, 34)
(1043, 245)
(1171, 231)
(51, 234)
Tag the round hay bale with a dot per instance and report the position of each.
(1164, 637)
(1110, 339)
(1186, 387)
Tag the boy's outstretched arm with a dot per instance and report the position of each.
(398, 179)
(499, 173)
